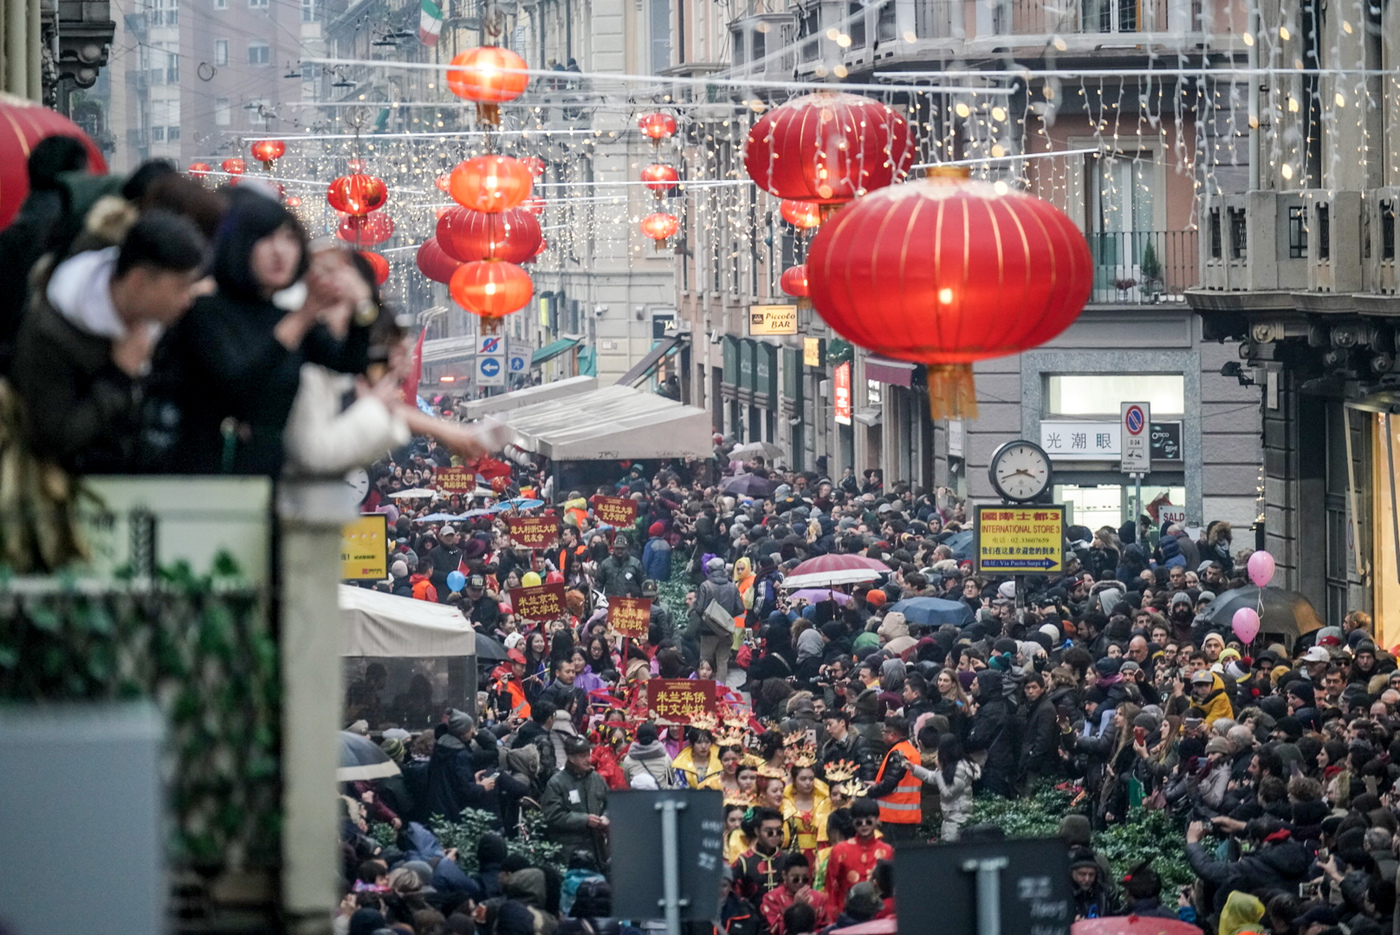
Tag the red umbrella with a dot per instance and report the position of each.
(826, 570)
(1133, 925)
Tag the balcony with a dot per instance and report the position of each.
(1142, 267)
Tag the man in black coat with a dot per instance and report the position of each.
(842, 743)
(445, 558)
(994, 730)
(1040, 735)
(455, 777)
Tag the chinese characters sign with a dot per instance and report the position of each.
(363, 548)
(1081, 441)
(630, 616)
(676, 701)
(615, 511)
(1020, 540)
(542, 602)
(455, 479)
(534, 532)
(841, 392)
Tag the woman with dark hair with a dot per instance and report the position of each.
(953, 777)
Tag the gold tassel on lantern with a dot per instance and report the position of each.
(951, 393)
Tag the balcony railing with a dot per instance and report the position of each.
(1087, 17)
(1142, 267)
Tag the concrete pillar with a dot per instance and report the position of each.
(17, 47)
(34, 61)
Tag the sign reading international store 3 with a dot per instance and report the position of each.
(1103, 441)
(364, 550)
(534, 532)
(1020, 540)
(676, 701)
(630, 616)
(542, 602)
(772, 319)
(615, 511)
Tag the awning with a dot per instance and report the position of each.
(444, 350)
(506, 402)
(886, 370)
(615, 422)
(648, 364)
(550, 351)
(869, 417)
(378, 624)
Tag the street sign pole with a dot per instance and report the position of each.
(988, 870)
(671, 901)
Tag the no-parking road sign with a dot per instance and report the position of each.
(1137, 438)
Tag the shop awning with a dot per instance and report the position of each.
(550, 351)
(648, 364)
(615, 422)
(870, 416)
(887, 370)
(507, 402)
(445, 350)
(378, 625)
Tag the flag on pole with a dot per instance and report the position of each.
(415, 364)
(429, 22)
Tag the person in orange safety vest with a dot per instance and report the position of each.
(896, 789)
(507, 695)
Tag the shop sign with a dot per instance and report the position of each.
(1019, 540)
(1166, 440)
(364, 550)
(841, 392)
(812, 352)
(1081, 441)
(772, 319)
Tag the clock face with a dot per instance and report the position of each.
(358, 481)
(1020, 471)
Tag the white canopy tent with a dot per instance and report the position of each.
(612, 423)
(385, 625)
(507, 402)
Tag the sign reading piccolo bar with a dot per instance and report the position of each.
(630, 616)
(542, 602)
(1020, 540)
(772, 319)
(455, 479)
(676, 701)
(534, 532)
(615, 511)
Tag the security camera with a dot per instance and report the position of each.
(599, 311)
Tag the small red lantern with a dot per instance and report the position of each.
(366, 230)
(660, 179)
(357, 194)
(658, 127)
(802, 215)
(434, 262)
(491, 289)
(997, 274)
(535, 205)
(490, 76)
(381, 265)
(535, 164)
(828, 147)
(512, 235)
(354, 165)
(292, 201)
(442, 182)
(490, 183)
(234, 166)
(794, 281)
(268, 152)
(544, 245)
(659, 227)
(200, 169)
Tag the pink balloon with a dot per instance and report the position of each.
(1260, 568)
(1245, 623)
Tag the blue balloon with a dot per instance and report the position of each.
(456, 580)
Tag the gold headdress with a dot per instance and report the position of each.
(767, 771)
(704, 721)
(802, 755)
(841, 771)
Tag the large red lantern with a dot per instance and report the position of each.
(657, 127)
(491, 289)
(794, 281)
(357, 194)
(490, 183)
(803, 215)
(22, 125)
(490, 76)
(996, 273)
(660, 179)
(380, 265)
(366, 230)
(268, 152)
(234, 166)
(200, 169)
(828, 147)
(512, 235)
(659, 227)
(434, 262)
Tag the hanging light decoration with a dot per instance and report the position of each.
(234, 166)
(535, 164)
(354, 165)
(292, 201)
(794, 283)
(998, 272)
(491, 289)
(357, 194)
(381, 265)
(512, 235)
(490, 76)
(366, 230)
(434, 262)
(828, 147)
(200, 169)
(490, 183)
(803, 215)
(268, 152)
(660, 179)
(442, 182)
(659, 227)
(657, 127)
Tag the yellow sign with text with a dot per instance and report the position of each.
(1020, 540)
(772, 319)
(364, 549)
(812, 352)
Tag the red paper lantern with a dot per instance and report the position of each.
(366, 230)
(995, 274)
(491, 289)
(292, 201)
(660, 179)
(22, 125)
(434, 262)
(658, 127)
(512, 235)
(490, 183)
(828, 147)
(442, 182)
(354, 165)
(794, 281)
(234, 166)
(659, 227)
(544, 245)
(268, 151)
(490, 76)
(535, 205)
(200, 169)
(357, 194)
(535, 164)
(381, 265)
(802, 215)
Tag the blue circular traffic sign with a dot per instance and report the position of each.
(490, 366)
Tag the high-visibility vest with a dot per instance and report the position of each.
(902, 806)
(519, 707)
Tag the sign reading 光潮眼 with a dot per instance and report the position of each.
(1019, 540)
(772, 319)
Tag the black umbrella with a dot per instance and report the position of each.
(748, 485)
(361, 759)
(1286, 613)
(488, 650)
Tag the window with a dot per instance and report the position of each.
(811, 28)
(660, 21)
(855, 12)
(221, 112)
(1324, 231)
(1215, 244)
(736, 44)
(221, 4)
(1387, 230)
(259, 53)
(158, 134)
(257, 3)
(172, 132)
(308, 11)
(1297, 233)
(1239, 235)
(220, 51)
(172, 68)
(1102, 394)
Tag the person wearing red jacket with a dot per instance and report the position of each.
(795, 888)
(854, 861)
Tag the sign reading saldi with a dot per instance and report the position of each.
(534, 532)
(542, 602)
(772, 319)
(630, 616)
(615, 511)
(1020, 540)
(676, 701)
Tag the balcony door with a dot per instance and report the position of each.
(1123, 207)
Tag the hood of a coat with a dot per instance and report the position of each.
(894, 625)
(80, 290)
(1242, 913)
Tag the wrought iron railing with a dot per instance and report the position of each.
(1142, 267)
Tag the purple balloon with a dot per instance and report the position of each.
(1245, 623)
(1260, 569)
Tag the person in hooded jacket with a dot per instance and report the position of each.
(715, 645)
(648, 754)
(994, 731)
(456, 777)
(1277, 863)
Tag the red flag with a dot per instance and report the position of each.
(415, 372)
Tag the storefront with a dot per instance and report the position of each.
(896, 392)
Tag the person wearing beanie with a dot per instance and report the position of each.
(1093, 898)
(1143, 889)
(656, 554)
(875, 598)
(452, 784)
(1208, 693)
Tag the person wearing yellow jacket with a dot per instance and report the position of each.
(698, 761)
(1208, 693)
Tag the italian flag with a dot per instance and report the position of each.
(429, 22)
